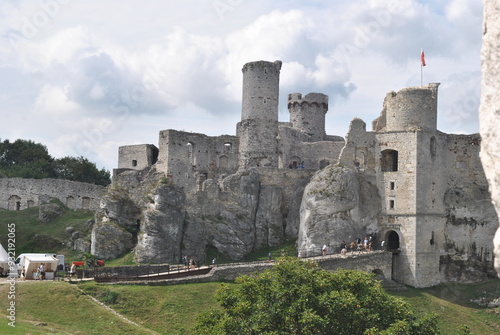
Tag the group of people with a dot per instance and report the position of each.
(189, 262)
(358, 245)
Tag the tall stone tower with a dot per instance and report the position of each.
(258, 129)
(308, 113)
(412, 160)
(412, 107)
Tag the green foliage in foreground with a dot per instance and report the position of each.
(296, 297)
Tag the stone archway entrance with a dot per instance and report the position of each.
(393, 240)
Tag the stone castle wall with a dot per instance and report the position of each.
(191, 158)
(21, 193)
(137, 157)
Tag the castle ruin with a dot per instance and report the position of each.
(421, 191)
(22, 193)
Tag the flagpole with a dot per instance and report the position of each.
(421, 67)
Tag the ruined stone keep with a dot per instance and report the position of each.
(421, 191)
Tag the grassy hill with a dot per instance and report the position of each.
(34, 236)
(64, 308)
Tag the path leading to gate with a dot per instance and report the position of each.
(378, 262)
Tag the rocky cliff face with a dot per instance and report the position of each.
(235, 214)
(161, 229)
(334, 208)
(469, 227)
(489, 113)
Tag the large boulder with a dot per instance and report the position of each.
(333, 210)
(109, 240)
(50, 211)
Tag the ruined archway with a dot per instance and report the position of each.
(295, 162)
(379, 274)
(14, 203)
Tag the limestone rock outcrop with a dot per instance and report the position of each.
(224, 216)
(116, 224)
(332, 210)
(161, 229)
(49, 211)
(109, 240)
(489, 111)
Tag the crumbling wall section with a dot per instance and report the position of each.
(21, 193)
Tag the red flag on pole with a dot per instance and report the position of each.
(422, 57)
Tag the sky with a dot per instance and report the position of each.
(86, 77)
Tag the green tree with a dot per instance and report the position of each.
(25, 159)
(296, 297)
(81, 169)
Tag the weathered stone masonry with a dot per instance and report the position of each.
(405, 182)
(21, 193)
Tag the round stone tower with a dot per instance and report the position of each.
(258, 129)
(308, 113)
(412, 107)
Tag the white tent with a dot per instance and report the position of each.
(32, 263)
(4, 260)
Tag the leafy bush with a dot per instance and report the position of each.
(296, 297)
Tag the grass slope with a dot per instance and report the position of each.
(58, 307)
(33, 236)
(173, 309)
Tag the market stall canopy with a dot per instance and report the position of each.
(33, 262)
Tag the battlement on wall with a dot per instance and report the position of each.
(310, 99)
(263, 66)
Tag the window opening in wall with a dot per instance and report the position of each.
(433, 146)
(392, 185)
(391, 204)
(227, 147)
(389, 160)
(134, 162)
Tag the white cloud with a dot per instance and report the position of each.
(116, 73)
